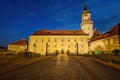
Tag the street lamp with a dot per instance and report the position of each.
(77, 48)
(46, 48)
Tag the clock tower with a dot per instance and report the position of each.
(87, 24)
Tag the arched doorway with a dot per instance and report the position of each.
(62, 51)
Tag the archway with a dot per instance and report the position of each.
(62, 51)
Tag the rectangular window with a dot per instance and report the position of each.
(48, 45)
(35, 40)
(69, 40)
(55, 40)
(75, 40)
(48, 40)
(55, 45)
(106, 42)
(75, 46)
(62, 40)
(111, 41)
(42, 40)
(34, 45)
(82, 46)
(69, 46)
(81, 39)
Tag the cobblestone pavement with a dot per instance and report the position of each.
(64, 67)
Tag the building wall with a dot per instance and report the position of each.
(17, 48)
(41, 44)
(106, 44)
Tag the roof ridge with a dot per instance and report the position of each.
(20, 42)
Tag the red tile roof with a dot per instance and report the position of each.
(59, 32)
(113, 31)
(20, 42)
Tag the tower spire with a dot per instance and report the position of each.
(85, 7)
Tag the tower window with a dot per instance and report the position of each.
(85, 14)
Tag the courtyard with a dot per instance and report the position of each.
(63, 67)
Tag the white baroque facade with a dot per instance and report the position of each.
(43, 43)
(73, 41)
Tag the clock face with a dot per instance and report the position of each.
(85, 18)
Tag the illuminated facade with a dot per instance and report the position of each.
(45, 42)
(63, 41)
(107, 41)
(50, 42)
(18, 46)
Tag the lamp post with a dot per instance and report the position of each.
(46, 48)
(77, 48)
(34, 45)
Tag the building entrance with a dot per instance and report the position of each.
(62, 51)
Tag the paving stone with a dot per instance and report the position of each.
(63, 67)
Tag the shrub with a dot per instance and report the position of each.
(27, 54)
(116, 52)
(9, 54)
(86, 55)
(93, 52)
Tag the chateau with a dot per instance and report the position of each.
(45, 42)
(63, 41)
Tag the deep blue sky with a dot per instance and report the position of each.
(20, 18)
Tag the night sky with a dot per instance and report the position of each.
(20, 18)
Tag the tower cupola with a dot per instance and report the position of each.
(87, 24)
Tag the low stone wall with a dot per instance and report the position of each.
(110, 64)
